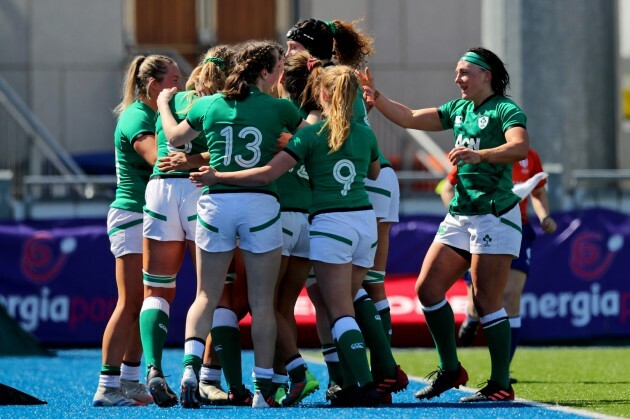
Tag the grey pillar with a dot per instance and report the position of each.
(6, 178)
(562, 56)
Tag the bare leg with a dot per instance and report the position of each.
(321, 315)
(121, 337)
(512, 304)
(212, 269)
(335, 288)
(490, 275)
(377, 291)
(162, 258)
(442, 266)
(513, 292)
(288, 291)
(262, 270)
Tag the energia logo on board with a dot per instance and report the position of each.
(32, 310)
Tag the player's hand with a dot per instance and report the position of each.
(166, 95)
(548, 224)
(368, 96)
(204, 177)
(366, 79)
(283, 140)
(174, 162)
(463, 155)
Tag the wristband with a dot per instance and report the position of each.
(377, 94)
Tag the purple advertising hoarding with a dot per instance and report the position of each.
(578, 286)
(57, 278)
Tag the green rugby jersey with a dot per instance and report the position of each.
(294, 189)
(360, 115)
(359, 111)
(293, 186)
(482, 188)
(182, 101)
(242, 134)
(337, 179)
(132, 171)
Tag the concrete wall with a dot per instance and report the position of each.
(65, 59)
(417, 44)
(562, 57)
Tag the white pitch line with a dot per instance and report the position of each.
(559, 408)
(564, 409)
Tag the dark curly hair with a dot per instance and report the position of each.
(343, 40)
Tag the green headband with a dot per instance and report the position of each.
(473, 57)
(333, 28)
(215, 60)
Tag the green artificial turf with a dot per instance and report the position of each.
(591, 378)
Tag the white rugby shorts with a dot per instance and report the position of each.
(171, 209)
(384, 193)
(252, 217)
(295, 239)
(483, 234)
(124, 229)
(343, 237)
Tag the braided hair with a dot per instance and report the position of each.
(252, 58)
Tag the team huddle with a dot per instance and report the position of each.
(265, 168)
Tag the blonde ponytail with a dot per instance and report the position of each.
(138, 78)
(129, 85)
(341, 85)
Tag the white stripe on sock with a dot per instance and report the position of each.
(493, 316)
(194, 347)
(258, 372)
(360, 294)
(224, 317)
(436, 306)
(381, 305)
(210, 374)
(295, 363)
(156, 303)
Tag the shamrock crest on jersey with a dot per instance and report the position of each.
(483, 121)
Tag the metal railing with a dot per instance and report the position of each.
(41, 168)
(600, 185)
(65, 187)
(44, 172)
(27, 148)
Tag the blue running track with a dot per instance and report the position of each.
(68, 382)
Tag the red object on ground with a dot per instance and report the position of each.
(408, 323)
